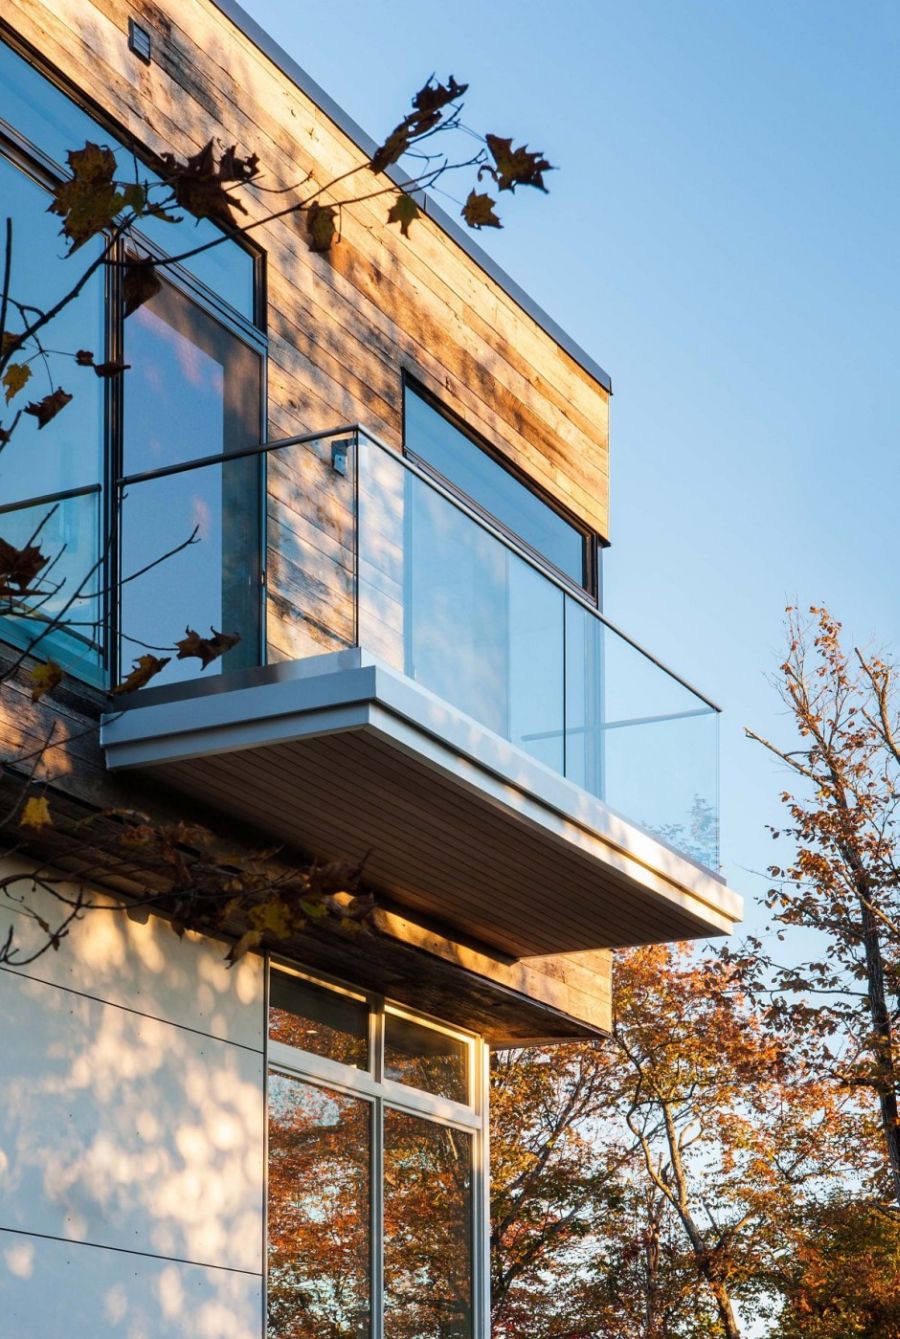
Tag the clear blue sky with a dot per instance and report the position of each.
(723, 237)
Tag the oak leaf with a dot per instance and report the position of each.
(90, 200)
(428, 105)
(46, 410)
(14, 378)
(314, 910)
(478, 211)
(275, 918)
(404, 211)
(134, 197)
(19, 567)
(320, 227)
(206, 649)
(44, 678)
(36, 813)
(144, 669)
(516, 167)
(394, 147)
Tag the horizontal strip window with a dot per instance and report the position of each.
(432, 436)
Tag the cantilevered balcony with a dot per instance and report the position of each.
(511, 765)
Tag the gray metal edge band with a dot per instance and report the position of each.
(279, 57)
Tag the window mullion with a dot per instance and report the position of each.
(376, 1068)
(113, 461)
(377, 1191)
(480, 1226)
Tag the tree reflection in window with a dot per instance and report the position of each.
(321, 1021)
(319, 1195)
(427, 1236)
(425, 1058)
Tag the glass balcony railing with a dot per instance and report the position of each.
(365, 548)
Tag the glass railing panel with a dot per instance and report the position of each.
(457, 608)
(446, 602)
(640, 739)
(382, 558)
(61, 615)
(190, 558)
(536, 615)
(310, 561)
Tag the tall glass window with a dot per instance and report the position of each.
(50, 481)
(376, 1169)
(193, 390)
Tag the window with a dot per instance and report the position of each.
(53, 479)
(194, 390)
(435, 439)
(376, 1223)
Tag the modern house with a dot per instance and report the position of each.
(396, 469)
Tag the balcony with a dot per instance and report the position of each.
(511, 765)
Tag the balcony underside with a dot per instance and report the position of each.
(347, 759)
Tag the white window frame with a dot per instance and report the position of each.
(370, 1085)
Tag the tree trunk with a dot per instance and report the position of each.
(724, 1307)
(883, 1045)
(653, 1311)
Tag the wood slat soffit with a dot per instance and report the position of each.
(346, 759)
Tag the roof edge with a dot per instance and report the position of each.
(286, 63)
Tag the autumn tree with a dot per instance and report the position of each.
(842, 1275)
(551, 1180)
(102, 204)
(843, 881)
(705, 1130)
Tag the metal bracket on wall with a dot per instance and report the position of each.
(339, 452)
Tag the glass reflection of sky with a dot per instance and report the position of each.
(174, 411)
(43, 114)
(69, 454)
(193, 391)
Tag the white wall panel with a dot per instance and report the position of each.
(128, 1131)
(56, 1290)
(146, 967)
